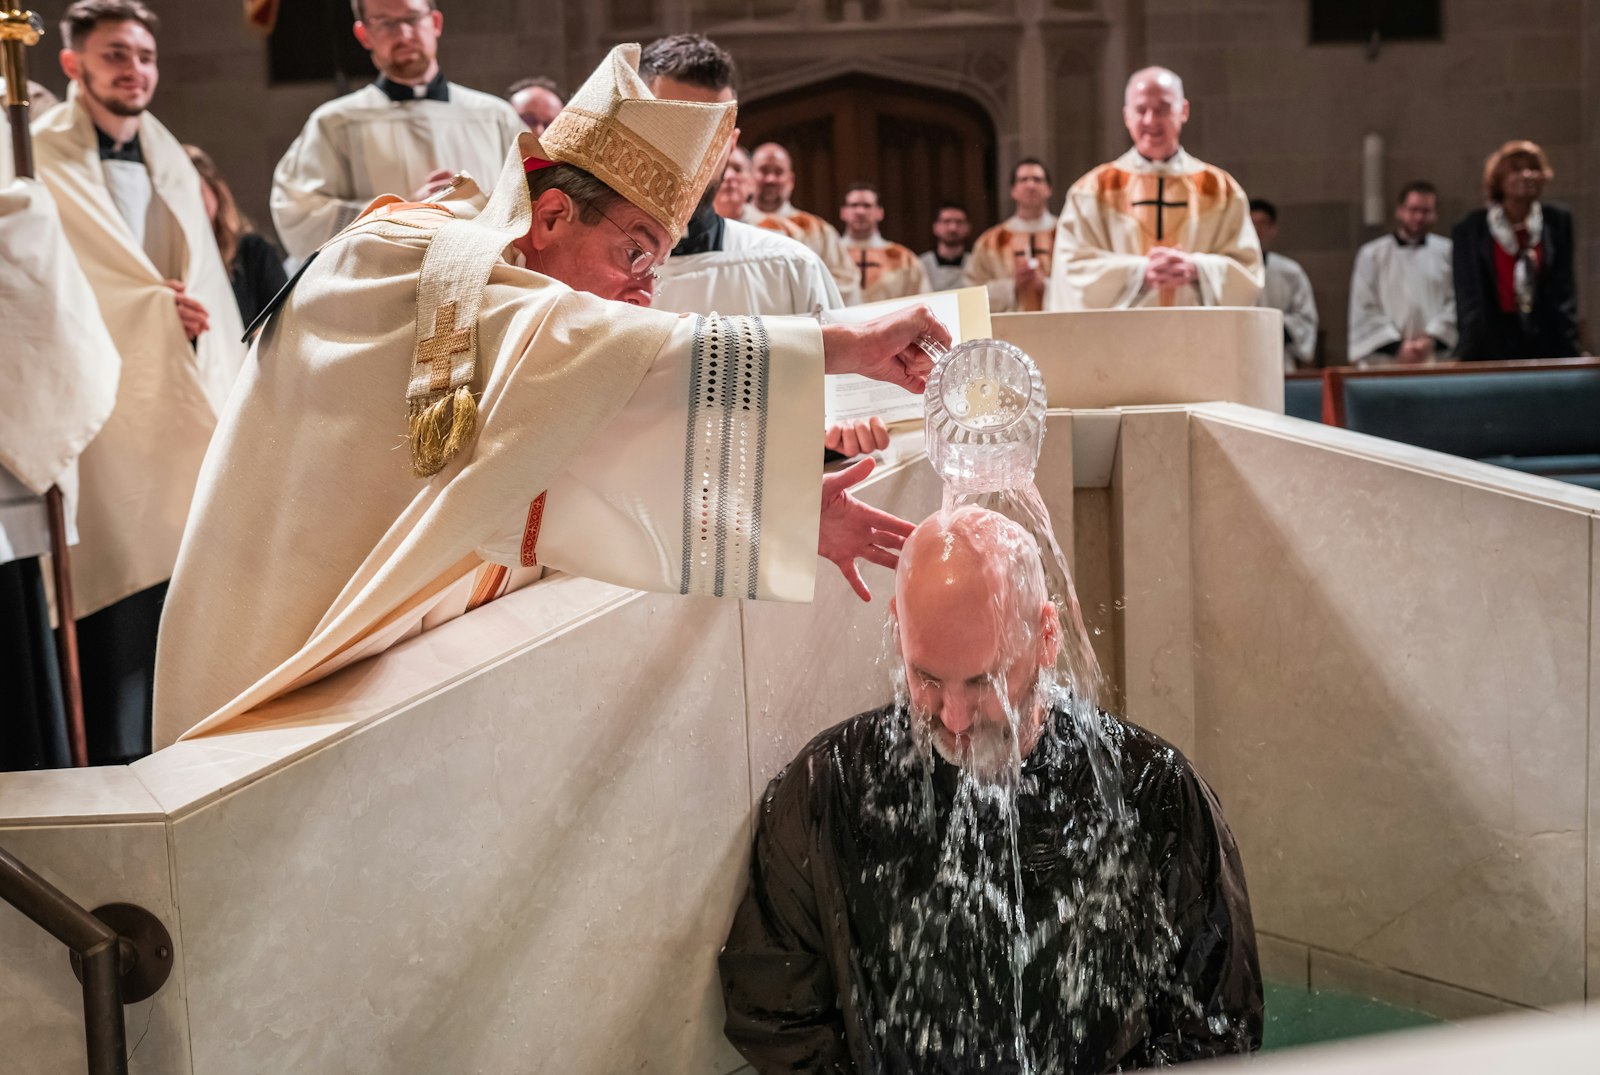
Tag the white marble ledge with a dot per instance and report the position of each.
(1533, 1044)
(189, 775)
(108, 794)
(1485, 476)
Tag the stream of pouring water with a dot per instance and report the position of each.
(1097, 944)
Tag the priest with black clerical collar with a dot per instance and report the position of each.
(407, 133)
(1155, 227)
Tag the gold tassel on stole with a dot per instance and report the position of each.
(439, 427)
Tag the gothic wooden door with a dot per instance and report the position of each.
(920, 146)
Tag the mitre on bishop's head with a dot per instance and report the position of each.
(657, 154)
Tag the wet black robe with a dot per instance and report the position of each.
(881, 878)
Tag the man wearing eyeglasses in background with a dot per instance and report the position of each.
(408, 133)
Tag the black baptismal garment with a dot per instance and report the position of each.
(879, 933)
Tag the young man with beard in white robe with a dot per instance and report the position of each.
(547, 426)
(132, 209)
(1155, 227)
(1288, 290)
(724, 265)
(407, 133)
(1402, 292)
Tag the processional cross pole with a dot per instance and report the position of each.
(19, 30)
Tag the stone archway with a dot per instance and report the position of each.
(921, 146)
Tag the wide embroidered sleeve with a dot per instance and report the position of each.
(709, 480)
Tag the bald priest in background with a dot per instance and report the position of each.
(1155, 227)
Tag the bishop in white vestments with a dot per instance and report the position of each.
(1155, 227)
(405, 133)
(132, 210)
(546, 426)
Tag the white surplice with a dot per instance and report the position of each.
(59, 368)
(612, 442)
(138, 474)
(757, 271)
(1289, 290)
(1399, 291)
(363, 144)
(1117, 213)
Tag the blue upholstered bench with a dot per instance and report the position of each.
(1302, 397)
(1543, 420)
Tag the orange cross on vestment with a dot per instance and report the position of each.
(446, 341)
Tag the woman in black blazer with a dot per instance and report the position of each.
(1516, 290)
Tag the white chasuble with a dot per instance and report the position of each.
(1289, 290)
(757, 271)
(998, 251)
(630, 445)
(1400, 291)
(823, 238)
(363, 144)
(59, 368)
(137, 476)
(888, 270)
(1117, 213)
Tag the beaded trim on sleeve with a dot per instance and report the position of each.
(724, 457)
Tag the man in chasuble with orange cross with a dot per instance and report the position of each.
(1155, 227)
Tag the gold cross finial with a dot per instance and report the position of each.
(446, 341)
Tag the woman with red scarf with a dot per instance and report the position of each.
(1516, 292)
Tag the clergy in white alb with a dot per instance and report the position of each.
(546, 426)
(403, 134)
(60, 369)
(733, 268)
(1155, 227)
(132, 210)
(721, 264)
(1288, 291)
(774, 186)
(1013, 259)
(1402, 292)
(888, 270)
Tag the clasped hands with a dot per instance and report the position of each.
(885, 349)
(1167, 266)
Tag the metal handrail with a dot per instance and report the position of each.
(100, 951)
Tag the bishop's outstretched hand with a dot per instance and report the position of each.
(852, 530)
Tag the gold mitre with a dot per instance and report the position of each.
(657, 154)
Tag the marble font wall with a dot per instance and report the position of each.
(514, 842)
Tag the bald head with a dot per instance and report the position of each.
(1154, 110)
(976, 627)
(972, 560)
(773, 172)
